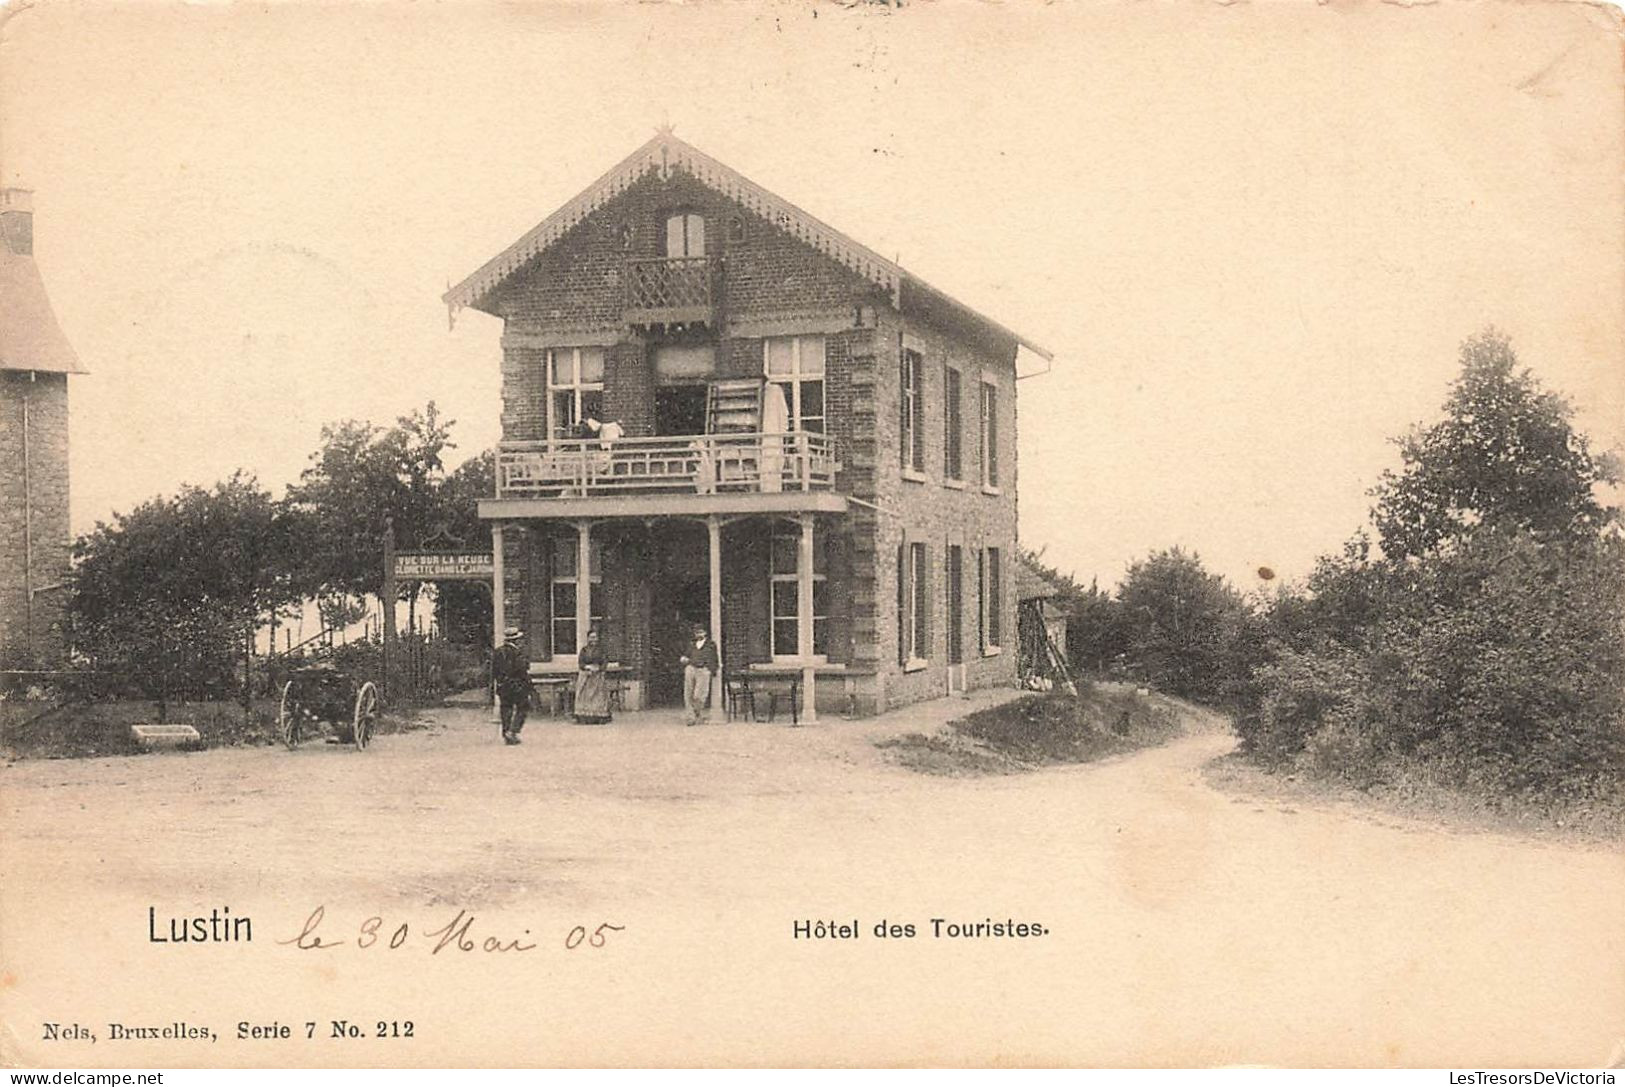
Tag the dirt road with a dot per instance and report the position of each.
(1182, 925)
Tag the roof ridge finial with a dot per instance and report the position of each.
(665, 130)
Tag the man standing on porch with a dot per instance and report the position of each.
(700, 666)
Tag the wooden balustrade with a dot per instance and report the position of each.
(695, 464)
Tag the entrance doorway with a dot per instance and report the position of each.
(675, 605)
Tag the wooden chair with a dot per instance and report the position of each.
(740, 696)
(787, 689)
(615, 686)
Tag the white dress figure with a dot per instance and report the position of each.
(775, 424)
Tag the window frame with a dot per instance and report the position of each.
(576, 388)
(911, 397)
(989, 437)
(688, 218)
(595, 591)
(794, 380)
(916, 653)
(776, 577)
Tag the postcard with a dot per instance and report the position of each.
(906, 534)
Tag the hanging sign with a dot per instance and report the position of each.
(444, 565)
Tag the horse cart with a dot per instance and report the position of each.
(320, 693)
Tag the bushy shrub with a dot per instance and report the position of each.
(1496, 667)
(1485, 649)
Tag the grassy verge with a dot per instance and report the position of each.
(1413, 793)
(1041, 730)
(42, 730)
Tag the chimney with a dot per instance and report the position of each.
(17, 220)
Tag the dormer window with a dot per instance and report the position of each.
(685, 235)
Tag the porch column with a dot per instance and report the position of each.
(804, 617)
(583, 582)
(499, 618)
(713, 532)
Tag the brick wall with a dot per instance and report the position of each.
(47, 397)
(937, 514)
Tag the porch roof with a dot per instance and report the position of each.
(639, 506)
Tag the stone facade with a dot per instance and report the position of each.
(768, 283)
(34, 539)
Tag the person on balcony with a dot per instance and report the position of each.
(510, 674)
(592, 685)
(700, 665)
(704, 465)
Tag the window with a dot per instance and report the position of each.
(784, 566)
(913, 415)
(575, 388)
(566, 584)
(796, 365)
(919, 624)
(956, 603)
(953, 425)
(736, 229)
(990, 434)
(685, 235)
(990, 581)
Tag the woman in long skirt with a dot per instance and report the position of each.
(592, 688)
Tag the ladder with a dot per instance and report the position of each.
(734, 406)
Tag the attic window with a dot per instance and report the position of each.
(685, 235)
(736, 229)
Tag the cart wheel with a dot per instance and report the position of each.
(287, 717)
(366, 715)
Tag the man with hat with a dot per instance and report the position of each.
(510, 672)
(700, 664)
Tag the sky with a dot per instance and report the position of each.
(1252, 234)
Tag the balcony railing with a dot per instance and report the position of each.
(687, 464)
(669, 290)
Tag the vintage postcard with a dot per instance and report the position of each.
(920, 534)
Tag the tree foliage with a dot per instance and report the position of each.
(169, 592)
(1485, 645)
(1182, 626)
(1504, 456)
(363, 478)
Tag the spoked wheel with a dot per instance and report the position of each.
(287, 717)
(366, 715)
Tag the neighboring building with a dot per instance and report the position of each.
(1040, 619)
(35, 361)
(819, 449)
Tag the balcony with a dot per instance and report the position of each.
(670, 291)
(685, 474)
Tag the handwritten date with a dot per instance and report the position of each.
(458, 934)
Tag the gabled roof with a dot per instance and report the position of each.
(30, 338)
(665, 153)
(1032, 585)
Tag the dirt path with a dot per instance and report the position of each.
(1184, 926)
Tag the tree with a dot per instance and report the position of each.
(1487, 642)
(361, 480)
(171, 592)
(1505, 455)
(1182, 624)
